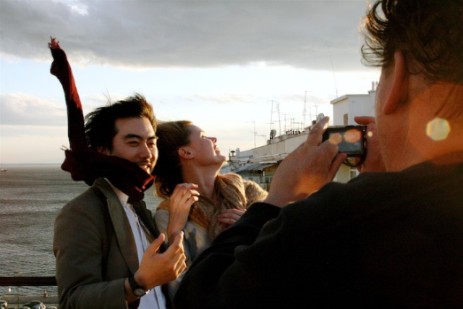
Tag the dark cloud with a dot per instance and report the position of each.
(308, 34)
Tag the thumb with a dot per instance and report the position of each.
(156, 244)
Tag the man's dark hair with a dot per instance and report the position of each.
(100, 125)
(428, 32)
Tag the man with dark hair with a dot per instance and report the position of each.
(100, 128)
(393, 236)
(106, 245)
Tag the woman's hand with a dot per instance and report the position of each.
(229, 216)
(180, 202)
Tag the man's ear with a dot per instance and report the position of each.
(399, 90)
(184, 153)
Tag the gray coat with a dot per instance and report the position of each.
(95, 250)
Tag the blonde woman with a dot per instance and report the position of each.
(197, 198)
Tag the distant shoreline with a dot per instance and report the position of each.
(15, 165)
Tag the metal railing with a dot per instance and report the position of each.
(17, 300)
(28, 281)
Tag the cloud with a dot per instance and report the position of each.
(228, 65)
(23, 109)
(140, 33)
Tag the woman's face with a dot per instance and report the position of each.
(204, 148)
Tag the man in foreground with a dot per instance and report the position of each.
(392, 237)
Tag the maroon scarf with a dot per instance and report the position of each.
(81, 161)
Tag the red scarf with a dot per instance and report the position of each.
(81, 161)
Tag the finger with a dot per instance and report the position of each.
(179, 191)
(316, 132)
(329, 149)
(190, 198)
(188, 185)
(336, 164)
(180, 265)
(195, 192)
(182, 188)
(177, 243)
(237, 211)
(228, 216)
(227, 221)
(191, 191)
(156, 244)
(364, 120)
(191, 194)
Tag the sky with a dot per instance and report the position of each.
(237, 69)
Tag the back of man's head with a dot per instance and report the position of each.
(428, 32)
(100, 126)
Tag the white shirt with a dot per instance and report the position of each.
(155, 298)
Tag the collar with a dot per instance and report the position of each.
(123, 198)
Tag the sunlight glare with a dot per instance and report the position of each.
(438, 129)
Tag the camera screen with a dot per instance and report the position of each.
(350, 139)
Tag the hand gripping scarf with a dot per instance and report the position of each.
(83, 162)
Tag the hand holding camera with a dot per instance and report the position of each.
(354, 141)
(350, 140)
(305, 170)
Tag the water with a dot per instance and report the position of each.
(30, 198)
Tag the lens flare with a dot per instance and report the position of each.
(438, 129)
(335, 138)
(352, 136)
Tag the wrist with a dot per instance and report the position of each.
(173, 236)
(173, 230)
(136, 288)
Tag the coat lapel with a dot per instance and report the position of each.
(121, 225)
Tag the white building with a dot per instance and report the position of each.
(345, 108)
(259, 163)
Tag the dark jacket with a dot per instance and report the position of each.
(388, 240)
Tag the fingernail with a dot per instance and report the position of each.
(320, 117)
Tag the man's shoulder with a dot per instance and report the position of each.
(92, 197)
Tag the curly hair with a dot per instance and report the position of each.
(168, 170)
(100, 125)
(428, 32)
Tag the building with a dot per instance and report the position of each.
(259, 164)
(345, 108)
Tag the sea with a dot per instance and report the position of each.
(30, 198)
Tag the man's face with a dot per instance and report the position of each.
(135, 141)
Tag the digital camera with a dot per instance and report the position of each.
(350, 139)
